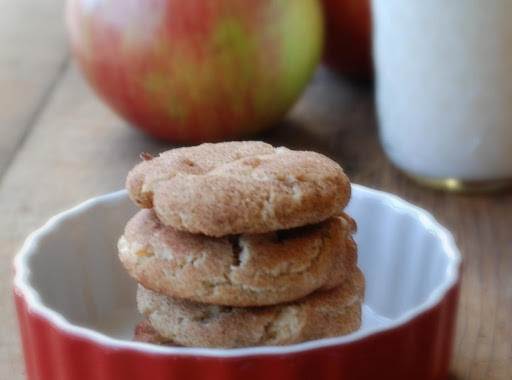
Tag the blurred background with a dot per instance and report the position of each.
(85, 91)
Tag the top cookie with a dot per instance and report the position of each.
(239, 188)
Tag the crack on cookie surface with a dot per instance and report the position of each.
(239, 276)
(278, 188)
(188, 162)
(179, 162)
(195, 260)
(236, 249)
(269, 333)
(219, 326)
(209, 314)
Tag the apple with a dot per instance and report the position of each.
(348, 46)
(197, 70)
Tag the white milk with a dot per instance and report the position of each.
(444, 86)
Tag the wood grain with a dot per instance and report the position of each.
(76, 150)
(34, 54)
(72, 147)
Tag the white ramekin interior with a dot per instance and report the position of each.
(69, 273)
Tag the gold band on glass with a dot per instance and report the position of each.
(460, 186)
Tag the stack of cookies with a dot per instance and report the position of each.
(241, 244)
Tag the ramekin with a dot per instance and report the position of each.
(76, 305)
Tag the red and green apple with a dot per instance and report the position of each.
(197, 70)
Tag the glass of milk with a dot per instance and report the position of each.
(444, 90)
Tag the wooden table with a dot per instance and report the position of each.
(59, 146)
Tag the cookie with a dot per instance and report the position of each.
(319, 315)
(145, 333)
(241, 270)
(195, 160)
(239, 188)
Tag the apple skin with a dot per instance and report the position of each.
(189, 71)
(348, 45)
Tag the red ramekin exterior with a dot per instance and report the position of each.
(420, 349)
